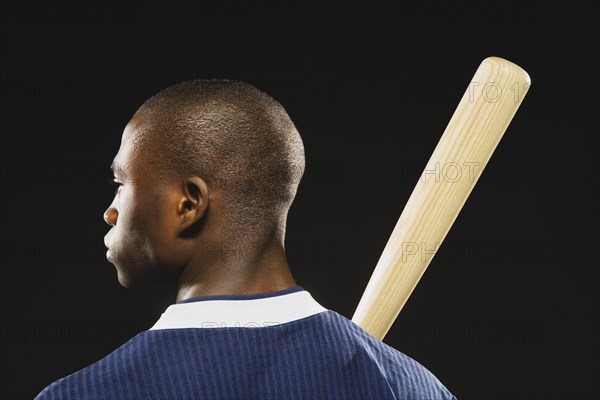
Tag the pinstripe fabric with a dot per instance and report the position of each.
(322, 356)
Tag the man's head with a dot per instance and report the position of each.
(203, 163)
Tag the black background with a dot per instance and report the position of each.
(508, 309)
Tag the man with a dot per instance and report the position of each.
(206, 173)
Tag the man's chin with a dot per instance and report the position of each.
(126, 278)
(124, 281)
(129, 282)
(142, 282)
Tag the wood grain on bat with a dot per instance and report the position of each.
(481, 118)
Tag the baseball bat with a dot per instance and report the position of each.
(481, 118)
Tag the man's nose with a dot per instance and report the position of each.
(110, 216)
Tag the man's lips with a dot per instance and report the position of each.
(108, 244)
(107, 241)
(109, 255)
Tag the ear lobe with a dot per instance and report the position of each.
(193, 203)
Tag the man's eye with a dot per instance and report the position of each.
(116, 185)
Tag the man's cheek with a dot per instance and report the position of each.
(126, 254)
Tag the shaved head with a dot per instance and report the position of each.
(235, 137)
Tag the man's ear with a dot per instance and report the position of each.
(193, 203)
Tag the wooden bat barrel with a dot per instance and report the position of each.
(481, 118)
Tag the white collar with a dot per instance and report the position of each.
(244, 311)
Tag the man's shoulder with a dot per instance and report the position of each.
(93, 380)
(406, 377)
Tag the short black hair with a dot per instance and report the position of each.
(234, 136)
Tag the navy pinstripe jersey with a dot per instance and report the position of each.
(275, 345)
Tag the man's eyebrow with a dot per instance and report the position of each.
(116, 168)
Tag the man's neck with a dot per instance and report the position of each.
(231, 270)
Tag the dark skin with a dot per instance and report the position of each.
(172, 234)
